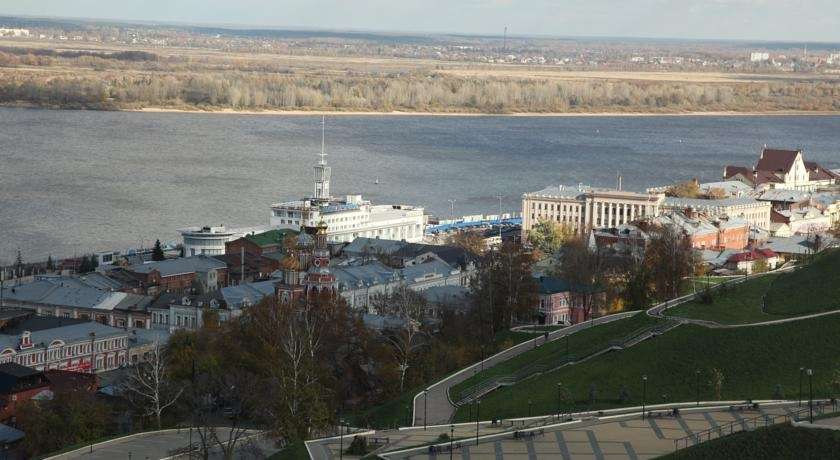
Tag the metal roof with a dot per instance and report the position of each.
(169, 267)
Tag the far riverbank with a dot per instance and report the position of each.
(482, 114)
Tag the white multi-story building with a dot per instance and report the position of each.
(211, 240)
(584, 208)
(349, 217)
(756, 213)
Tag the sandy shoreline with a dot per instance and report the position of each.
(468, 114)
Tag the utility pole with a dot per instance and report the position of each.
(500, 217)
(452, 209)
(242, 265)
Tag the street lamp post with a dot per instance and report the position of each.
(451, 438)
(559, 391)
(810, 395)
(340, 440)
(425, 407)
(644, 394)
(697, 384)
(477, 407)
(801, 371)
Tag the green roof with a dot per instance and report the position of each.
(270, 237)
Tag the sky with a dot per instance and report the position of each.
(773, 20)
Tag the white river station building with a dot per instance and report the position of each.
(350, 217)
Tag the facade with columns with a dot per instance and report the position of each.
(584, 208)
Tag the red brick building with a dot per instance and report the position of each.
(258, 244)
(182, 273)
(19, 384)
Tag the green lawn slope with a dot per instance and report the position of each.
(811, 289)
(752, 360)
(775, 442)
(580, 344)
(734, 304)
(814, 288)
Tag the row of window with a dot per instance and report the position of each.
(180, 320)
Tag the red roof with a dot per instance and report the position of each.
(774, 160)
(754, 254)
(767, 177)
(817, 172)
(732, 171)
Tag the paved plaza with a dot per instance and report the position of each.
(610, 437)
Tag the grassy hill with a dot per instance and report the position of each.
(734, 304)
(775, 442)
(813, 288)
(752, 360)
(579, 344)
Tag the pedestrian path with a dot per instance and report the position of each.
(593, 437)
(434, 406)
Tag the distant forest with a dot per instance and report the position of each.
(131, 80)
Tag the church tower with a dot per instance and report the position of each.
(322, 171)
(319, 279)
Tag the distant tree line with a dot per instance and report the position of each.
(416, 92)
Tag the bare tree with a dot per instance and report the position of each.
(409, 308)
(149, 383)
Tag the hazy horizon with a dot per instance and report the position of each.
(759, 20)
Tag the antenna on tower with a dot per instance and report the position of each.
(323, 139)
(504, 41)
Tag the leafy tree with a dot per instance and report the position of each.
(157, 252)
(548, 236)
(687, 189)
(760, 266)
(70, 418)
(504, 288)
(586, 270)
(472, 242)
(669, 258)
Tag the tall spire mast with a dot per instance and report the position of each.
(322, 171)
(323, 139)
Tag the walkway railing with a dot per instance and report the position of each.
(745, 424)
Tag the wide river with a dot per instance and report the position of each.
(76, 182)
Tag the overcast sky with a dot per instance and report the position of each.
(788, 20)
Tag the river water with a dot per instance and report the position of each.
(74, 182)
